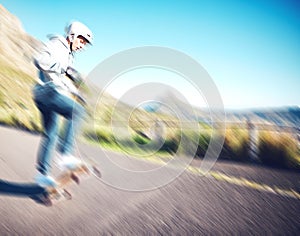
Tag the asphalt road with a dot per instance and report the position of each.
(188, 205)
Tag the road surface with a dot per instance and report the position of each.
(189, 205)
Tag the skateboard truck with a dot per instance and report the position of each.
(53, 195)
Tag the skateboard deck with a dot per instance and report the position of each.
(53, 195)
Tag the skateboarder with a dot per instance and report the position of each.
(54, 96)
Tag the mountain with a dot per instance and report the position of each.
(277, 116)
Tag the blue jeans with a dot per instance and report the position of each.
(52, 104)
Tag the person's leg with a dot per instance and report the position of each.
(74, 114)
(47, 145)
(67, 140)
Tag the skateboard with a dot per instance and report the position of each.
(53, 195)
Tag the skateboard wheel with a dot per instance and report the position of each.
(46, 199)
(97, 172)
(75, 178)
(67, 194)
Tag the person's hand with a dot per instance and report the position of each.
(74, 75)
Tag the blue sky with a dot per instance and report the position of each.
(250, 48)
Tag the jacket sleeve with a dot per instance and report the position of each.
(47, 62)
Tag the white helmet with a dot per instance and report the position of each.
(76, 29)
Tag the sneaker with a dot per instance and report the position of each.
(45, 180)
(69, 162)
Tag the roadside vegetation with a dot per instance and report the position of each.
(273, 149)
(279, 149)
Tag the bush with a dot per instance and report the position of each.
(236, 145)
(99, 135)
(189, 142)
(140, 139)
(203, 143)
(171, 144)
(279, 150)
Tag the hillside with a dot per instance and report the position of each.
(18, 75)
(16, 46)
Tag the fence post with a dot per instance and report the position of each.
(253, 141)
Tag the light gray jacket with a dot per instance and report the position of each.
(52, 61)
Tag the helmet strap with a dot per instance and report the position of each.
(71, 44)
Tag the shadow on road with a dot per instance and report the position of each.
(30, 190)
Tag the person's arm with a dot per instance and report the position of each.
(45, 61)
